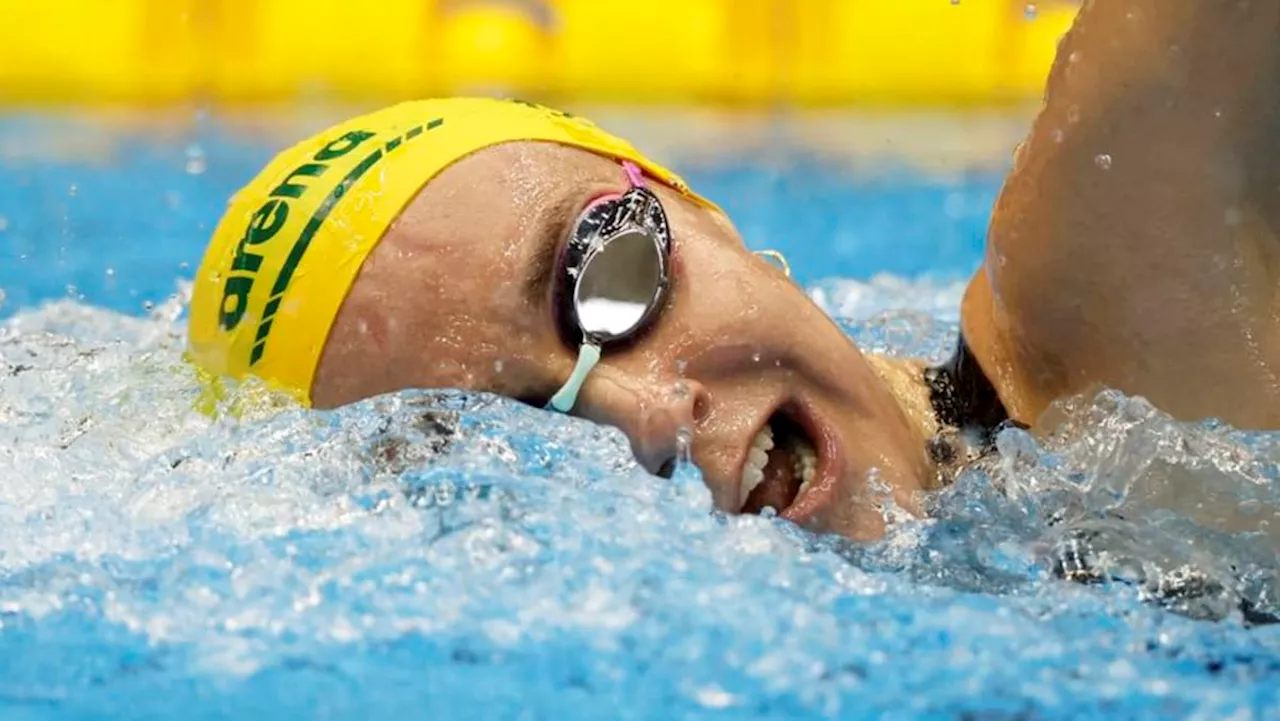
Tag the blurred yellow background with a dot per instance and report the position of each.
(728, 52)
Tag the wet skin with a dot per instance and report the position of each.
(442, 302)
(1132, 246)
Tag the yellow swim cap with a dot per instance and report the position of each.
(290, 245)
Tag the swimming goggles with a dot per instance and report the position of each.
(612, 278)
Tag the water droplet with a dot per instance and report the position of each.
(1030, 12)
(148, 305)
(755, 357)
(195, 160)
(1102, 160)
(1058, 135)
(184, 265)
(71, 290)
(111, 272)
(681, 365)
(713, 696)
(680, 390)
(684, 446)
(1073, 114)
(72, 190)
(1019, 153)
(498, 365)
(769, 512)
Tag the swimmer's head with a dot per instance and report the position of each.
(423, 246)
(291, 243)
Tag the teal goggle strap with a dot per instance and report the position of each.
(567, 396)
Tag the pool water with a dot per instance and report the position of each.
(434, 554)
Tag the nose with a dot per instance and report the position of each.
(653, 414)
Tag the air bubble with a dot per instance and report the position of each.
(1030, 12)
(445, 493)
(1102, 160)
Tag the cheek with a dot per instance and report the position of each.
(516, 341)
(717, 292)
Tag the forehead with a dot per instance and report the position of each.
(489, 205)
(459, 253)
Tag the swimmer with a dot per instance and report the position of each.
(505, 247)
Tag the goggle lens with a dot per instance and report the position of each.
(616, 264)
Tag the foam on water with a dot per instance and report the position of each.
(426, 552)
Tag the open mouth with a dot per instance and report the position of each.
(780, 465)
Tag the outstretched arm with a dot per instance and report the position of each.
(1134, 245)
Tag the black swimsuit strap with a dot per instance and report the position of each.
(963, 396)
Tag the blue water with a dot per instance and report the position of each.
(155, 563)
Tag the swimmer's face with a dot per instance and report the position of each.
(459, 294)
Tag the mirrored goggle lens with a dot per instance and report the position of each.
(619, 285)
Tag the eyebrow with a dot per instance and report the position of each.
(551, 230)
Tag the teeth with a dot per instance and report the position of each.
(757, 459)
(805, 468)
(806, 465)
